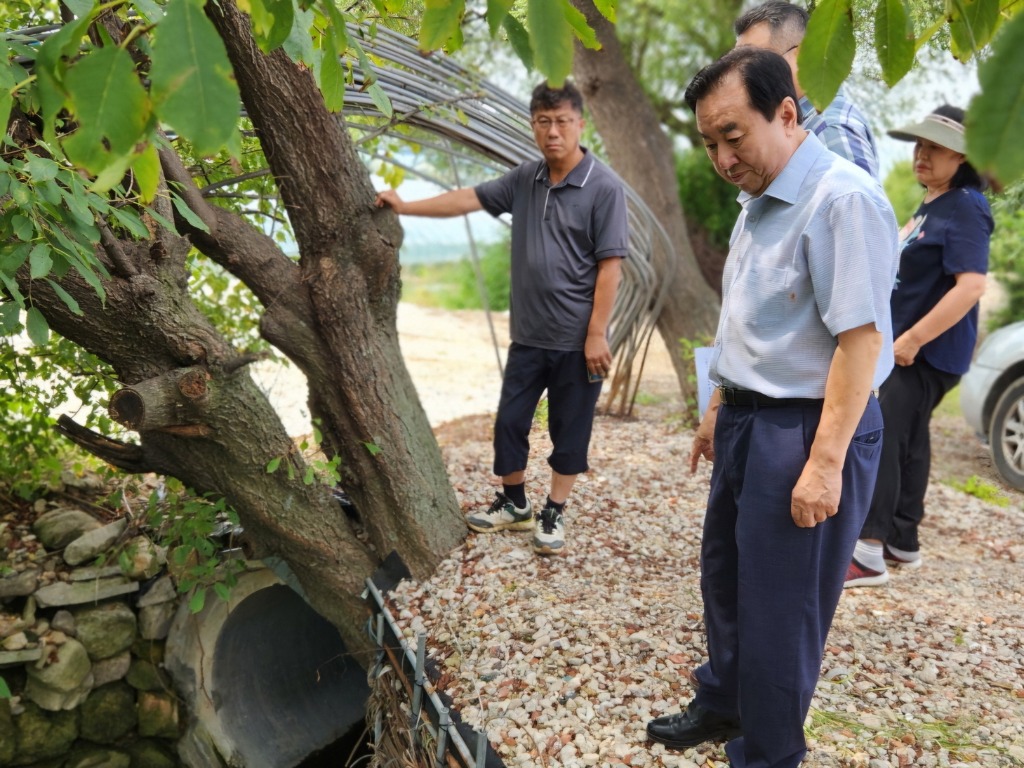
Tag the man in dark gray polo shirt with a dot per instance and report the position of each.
(569, 232)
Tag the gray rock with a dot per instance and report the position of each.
(59, 527)
(158, 715)
(93, 543)
(144, 558)
(147, 676)
(108, 713)
(106, 630)
(108, 670)
(82, 592)
(64, 621)
(43, 735)
(8, 733)
(162, 591)
(149, 754)
(19, 584)
(64, 682)
(91, 572)
(155, 620)
(9, 658)
(98, 757)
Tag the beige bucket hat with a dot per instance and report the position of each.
(944, 131)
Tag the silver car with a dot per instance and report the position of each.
(992, 399)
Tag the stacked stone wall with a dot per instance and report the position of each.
(85, 609)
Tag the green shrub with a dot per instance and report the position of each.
(707, 198)
(454, 285)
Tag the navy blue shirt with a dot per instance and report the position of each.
(559, 233)
(946, 237)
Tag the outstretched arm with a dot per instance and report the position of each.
(454, 203)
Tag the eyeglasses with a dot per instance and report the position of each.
(545, 123)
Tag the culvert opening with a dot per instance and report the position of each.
(283, 684)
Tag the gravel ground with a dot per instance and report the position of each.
(564, 660)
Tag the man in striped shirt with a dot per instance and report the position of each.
(780, 26)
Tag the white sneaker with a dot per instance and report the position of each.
(895, 561)
(549, 535)
(502, 515)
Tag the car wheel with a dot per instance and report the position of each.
(1006, 434)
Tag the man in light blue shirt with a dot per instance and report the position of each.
(780, 26)
(793, 429)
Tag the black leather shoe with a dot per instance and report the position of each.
(692, 727)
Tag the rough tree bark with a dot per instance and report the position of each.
(333, 313)
(641, 152)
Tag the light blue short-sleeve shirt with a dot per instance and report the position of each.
(814, 255)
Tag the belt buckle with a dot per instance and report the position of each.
(728, 395)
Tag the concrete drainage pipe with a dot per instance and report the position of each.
(265, 679)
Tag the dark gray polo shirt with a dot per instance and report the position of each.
(559, 233)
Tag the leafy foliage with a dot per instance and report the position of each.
(900, 29)
(706, 197)
(903, 190)
(1006, 256)
(31, 387)
(189, 527)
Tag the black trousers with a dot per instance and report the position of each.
(907, 397)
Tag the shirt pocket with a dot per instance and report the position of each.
(767, 297)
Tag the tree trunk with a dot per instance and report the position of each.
(333, 314)
(641, 152)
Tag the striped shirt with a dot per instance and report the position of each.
(843, 128)
(814, 255)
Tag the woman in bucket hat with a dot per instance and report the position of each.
(934, 304)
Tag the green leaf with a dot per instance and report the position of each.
(607, 8)
(41, 169)
(187, 213)
(162, 221)
(826, 54)
(995, 117)
(552, 36)
(381, 100)
(50, 65)
(497, 10)
(222, 591)
(299, 45)
(12, 289)
(130, 221)
(373, 448)
(271, 22)
(192, 83)
(67, 298)
(332, 76)
(111, 107)
(37, 327)
(198, 600)
(441, 20)
(273, 464)
(581, 28)
(10, 317)
(309, 476)
(79, 7)
(5, 692)
(23, 228)
(150, 10)
(894, 40)
(147, 173)
(39, 261)
(972, 26)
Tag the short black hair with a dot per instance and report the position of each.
(966, 175)
(777, 14)
(546, 97)
(766, 77)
